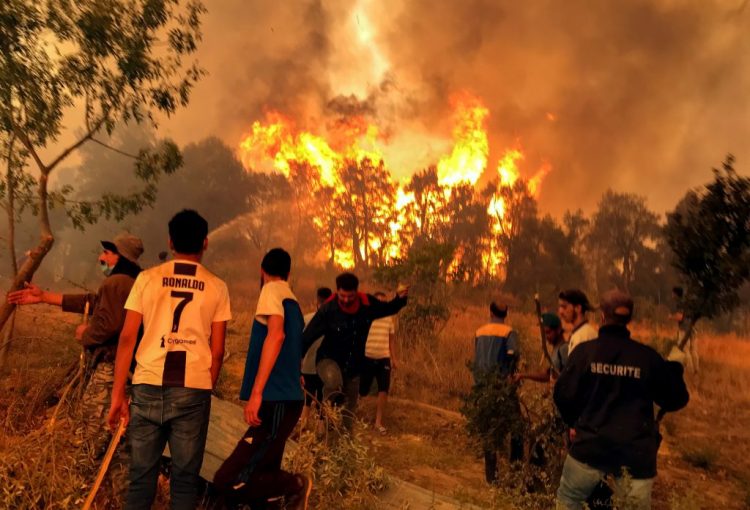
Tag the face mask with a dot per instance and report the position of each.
(107, 270)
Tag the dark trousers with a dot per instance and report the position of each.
(252, 474)
(490, 458)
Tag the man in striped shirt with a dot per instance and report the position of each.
(379, 361)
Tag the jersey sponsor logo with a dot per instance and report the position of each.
(182, 283)
(616, 370)
(176, 341)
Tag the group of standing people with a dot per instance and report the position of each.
(605, 386)
(166, 327)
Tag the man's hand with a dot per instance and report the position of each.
(251, 410)
(572, 435)
(30, 295)
(518, 378)
(80, 330)
(119, 410)
(678, 355)
(393, 364)
(402, 291)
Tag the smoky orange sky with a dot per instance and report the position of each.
(641, 96)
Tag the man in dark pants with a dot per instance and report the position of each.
(606, 393)
(496, 347)
(252, 474)
(344, 322)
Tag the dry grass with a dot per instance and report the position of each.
(42, 471)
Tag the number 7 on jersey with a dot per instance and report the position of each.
(185, 298)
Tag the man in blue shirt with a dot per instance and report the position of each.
(496, 348)
(252, 474)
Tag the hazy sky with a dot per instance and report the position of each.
(641, 95)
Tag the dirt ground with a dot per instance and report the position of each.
(704, 461)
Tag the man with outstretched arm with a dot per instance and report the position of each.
(118, 261)
(252, 474)
(184, 310)
(344, 322)
(607, 393)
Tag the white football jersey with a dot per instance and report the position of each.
(179, 300)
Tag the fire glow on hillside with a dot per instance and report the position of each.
(347, 163)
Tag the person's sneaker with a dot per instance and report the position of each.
(299, 500)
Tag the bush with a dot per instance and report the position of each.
(344, 473)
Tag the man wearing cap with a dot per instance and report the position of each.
(118, 261)
(496, 347)
(553, 334)
(606, 393)
(573, 306)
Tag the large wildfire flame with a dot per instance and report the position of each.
(277, 143)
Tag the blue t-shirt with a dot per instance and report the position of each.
(276, 298)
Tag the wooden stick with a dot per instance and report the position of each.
(86, 312)
(65, 392)
(105, 465)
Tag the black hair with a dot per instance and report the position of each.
(499, 311)
(188, 231)
(277, 262)
(576, 297)
(347, 281)
(678, 291)
(324, 293)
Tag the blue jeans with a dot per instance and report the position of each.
(578, 481)
(161, 415)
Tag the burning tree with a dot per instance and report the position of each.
(709, 233)
(366, 204)
(102, 59)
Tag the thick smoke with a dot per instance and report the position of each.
(642, 96)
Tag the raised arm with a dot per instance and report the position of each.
(379, 309)
(31, 295)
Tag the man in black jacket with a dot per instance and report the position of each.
(606, 393)
(344, 322)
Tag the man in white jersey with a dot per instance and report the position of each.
(184, 310)
(573, 307)
(379, 361)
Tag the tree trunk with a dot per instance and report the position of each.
(25, 273)
(10, 185)
(688, 334)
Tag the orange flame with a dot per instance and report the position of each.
(467, 161)
(277, 143)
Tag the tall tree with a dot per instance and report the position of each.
(366, 201)
(623, 229)
(709, 233)
(115, 61)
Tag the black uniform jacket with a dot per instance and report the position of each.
(345, 334)
(607, 392)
